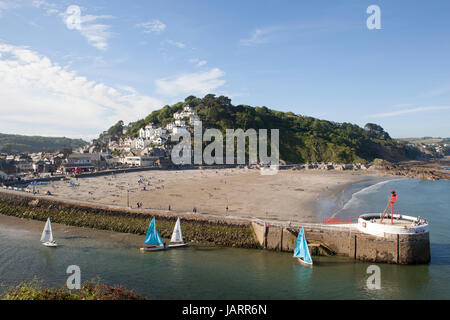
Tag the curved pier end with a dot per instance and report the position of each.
(348, 241)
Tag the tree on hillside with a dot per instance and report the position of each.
(376, 130)
(116, 130)
(302, 138)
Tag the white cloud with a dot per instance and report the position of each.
(259, 36)
(96, 34)
(38, 96)
(154, 26)
(198, 62)
(290, 31)
(50, 8)
(192, 83)
(402, 105)
(7, 5)
(407, 111)
(256, 37)
(436, 92)
(176, 44)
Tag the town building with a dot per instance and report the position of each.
(84, 161)
(187, 112)
(140, 161)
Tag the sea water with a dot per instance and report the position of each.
(228, 273)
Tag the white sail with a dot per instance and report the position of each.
(47, 235)
(176, 235)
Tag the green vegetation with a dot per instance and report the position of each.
(302, 138)
(90, 290)
(19, 143)
(115, 130)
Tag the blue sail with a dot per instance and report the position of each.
(153, 237)
(301, 248)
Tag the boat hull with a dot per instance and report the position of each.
(303, 262)
(148, 249)
(50, 244)
(178, 245)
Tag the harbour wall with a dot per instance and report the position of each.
(197, 229)
(347, 241)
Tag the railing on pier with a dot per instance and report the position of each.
(340, 220)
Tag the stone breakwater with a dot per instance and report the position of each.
(197, 229)
(323, 240)
(347, 241)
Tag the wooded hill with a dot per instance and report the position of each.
(17, 143)
(302, 138)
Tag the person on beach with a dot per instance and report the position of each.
(169, 207)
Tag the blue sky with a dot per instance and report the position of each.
(315, 58)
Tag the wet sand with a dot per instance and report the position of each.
(286, 196)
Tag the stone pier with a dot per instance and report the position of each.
(346, 240)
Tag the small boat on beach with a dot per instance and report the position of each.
(153, 240)
(177, 237)
(301, 251)
(47, 235)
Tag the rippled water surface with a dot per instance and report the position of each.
(228, 273)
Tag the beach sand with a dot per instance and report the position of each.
(286, 196)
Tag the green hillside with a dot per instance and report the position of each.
(302, 138)
(19, 143)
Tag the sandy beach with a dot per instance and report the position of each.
(287, 196)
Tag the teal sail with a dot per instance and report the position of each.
(301, 248)
(153, 237)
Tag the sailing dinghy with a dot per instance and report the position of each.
(177, 237)
(153, 241)
(301, 251)
(47, 235)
